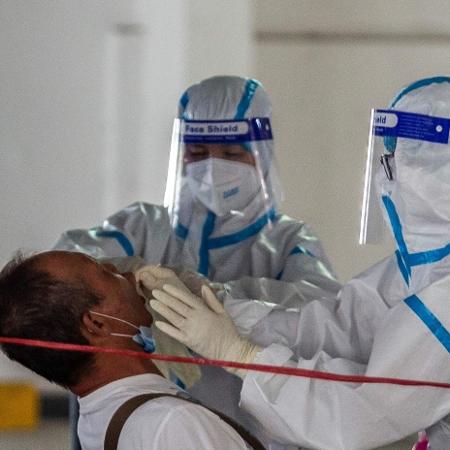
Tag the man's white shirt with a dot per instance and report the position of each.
(162, 423)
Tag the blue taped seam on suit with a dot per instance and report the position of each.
(419, 258)
(120, 237)
(223, 241)
(181, 231)
(297, 250)
(302, 250)
(246, 99)
(430, 320)
(208, 228)
(245, 233)
(397, 230)
(402, 267)
(411, 259)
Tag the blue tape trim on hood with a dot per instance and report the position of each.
(390, 143)
(181, 231)
(208, 228)
(246, 99)
(244, 234)
(418, 84)
(430, 320)
(121, 239)
(184, 100)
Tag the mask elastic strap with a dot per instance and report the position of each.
(122, 335)
(115, 318)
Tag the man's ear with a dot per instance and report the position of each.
(94, 326)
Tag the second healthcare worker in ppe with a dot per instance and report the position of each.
(222, 196)
(221, 218)
(393, 320)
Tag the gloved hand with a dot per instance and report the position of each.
(193, 280)
(203, 325)
(148, 278)
(155, 277)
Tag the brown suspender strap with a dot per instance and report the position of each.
(120, 416)
(126, 409)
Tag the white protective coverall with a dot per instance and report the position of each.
(393, 320)
(258, 250)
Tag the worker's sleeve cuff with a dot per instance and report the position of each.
(266, 384)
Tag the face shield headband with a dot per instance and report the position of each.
(225, 131)
(386, 128)
(251, 134)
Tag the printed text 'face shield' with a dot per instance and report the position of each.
(399, 149)
(225, 166)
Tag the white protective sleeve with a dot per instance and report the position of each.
(356, 337)
(287, 262)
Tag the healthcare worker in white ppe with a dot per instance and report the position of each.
(393, 320)
(221, 217)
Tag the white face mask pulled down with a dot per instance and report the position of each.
(223, 186)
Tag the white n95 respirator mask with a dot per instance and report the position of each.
(223, 186)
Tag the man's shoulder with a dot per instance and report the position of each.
(167, 408)
(171, 420)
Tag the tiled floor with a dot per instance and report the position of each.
(53, 435)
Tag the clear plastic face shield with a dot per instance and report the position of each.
(226, 166)
(398, 140)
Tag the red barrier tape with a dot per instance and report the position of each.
(280, 370)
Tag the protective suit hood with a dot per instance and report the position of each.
(416, 202)
(218, 102)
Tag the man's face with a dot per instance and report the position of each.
(118, 291)
(229, 152)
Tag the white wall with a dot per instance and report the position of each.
(89, 93)
(89, 90)
(326, 64)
